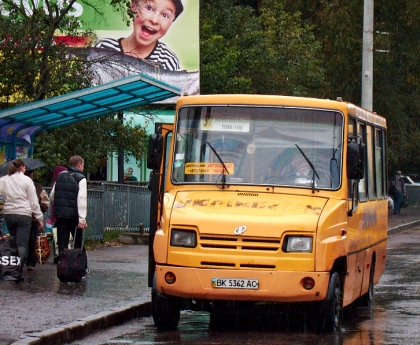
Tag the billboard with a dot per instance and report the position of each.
(182, 37)
(161, 42)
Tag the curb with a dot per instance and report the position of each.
(134, 238)
(83, 327)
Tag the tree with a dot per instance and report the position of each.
(305, 48)
(93, 140)
(35, 64)
(338, 25)
(397, 81)
(270, 51)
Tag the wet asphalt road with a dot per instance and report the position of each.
(393, 319)
(118, 279)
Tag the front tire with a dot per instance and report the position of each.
(166, 310)
(331, 310)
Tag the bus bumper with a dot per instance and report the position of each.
(256, 286)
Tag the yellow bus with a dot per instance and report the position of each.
(266, 199)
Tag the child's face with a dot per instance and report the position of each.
(152, 20)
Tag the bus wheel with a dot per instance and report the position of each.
(367, 298)
(165, 310)
(331, 310)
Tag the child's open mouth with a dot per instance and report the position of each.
(147, 32)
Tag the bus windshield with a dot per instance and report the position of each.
(258, 145)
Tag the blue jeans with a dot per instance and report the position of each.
(19, 227)
(397, 202)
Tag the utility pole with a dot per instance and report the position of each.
(367, 56)
(120, 154)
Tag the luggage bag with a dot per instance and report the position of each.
(73, 263)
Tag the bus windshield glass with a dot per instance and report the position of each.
(258, 145)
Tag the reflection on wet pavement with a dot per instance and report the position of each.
(394, 317)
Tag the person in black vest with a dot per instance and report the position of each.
(69, 195)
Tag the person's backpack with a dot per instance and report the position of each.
(392, 188)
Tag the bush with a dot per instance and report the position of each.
(111, 238)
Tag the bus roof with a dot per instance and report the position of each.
(273, 100)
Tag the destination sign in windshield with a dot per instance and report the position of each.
(226, 124)
(208, 168)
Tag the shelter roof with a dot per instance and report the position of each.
(23, 122)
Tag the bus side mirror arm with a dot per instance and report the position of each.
(355, 169)
(354, 198)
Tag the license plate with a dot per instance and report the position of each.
(233, 283)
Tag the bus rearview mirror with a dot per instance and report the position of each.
(355, 161)
(154, 153)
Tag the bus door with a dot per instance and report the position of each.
(157, 157)
(356, 257)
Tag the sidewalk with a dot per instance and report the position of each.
(42, 311)
(409, 216)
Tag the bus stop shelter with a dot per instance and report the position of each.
(19, 125)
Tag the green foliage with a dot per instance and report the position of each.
(305, 48)
(396, 66)
(109, 238)
(396, 81)
(270, 52)
(91, 139)
(34, 66)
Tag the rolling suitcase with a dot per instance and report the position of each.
(73, 264)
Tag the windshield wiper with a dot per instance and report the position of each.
(312, 167)
(221, 161)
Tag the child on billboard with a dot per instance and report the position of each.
(152, 20)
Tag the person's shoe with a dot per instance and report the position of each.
(19, 279)
(87, 272)
(56, 259)
(30, 268)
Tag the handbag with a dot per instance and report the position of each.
(9, 260)
(42, 248)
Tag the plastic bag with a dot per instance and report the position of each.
(10, 260)
(42, 249)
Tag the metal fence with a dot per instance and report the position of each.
(413, 194)
(126, 207)
(115, 207)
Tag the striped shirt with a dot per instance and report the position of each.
(160, 54)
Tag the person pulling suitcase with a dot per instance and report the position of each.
(72, 267)
(69, 197)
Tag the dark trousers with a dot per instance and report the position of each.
(398, 197)
(19, 227)
(65, 227)
(31, 258)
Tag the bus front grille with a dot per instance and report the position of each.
(240, 243)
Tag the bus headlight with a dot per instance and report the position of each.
(183, 238)
(301, 244)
